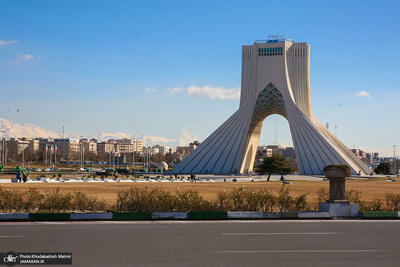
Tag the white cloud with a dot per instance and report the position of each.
(158, 140)
(150, 90)
(174, 90)
(8, 42)
(21, 59)
(209, 92)
(363, 93)
(186, 137)
(26, 57)
(116, 135)
(17, 130)
(182, 139)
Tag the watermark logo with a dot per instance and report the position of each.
(10, 258)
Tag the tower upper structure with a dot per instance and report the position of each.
(275, 80)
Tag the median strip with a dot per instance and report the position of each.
(92, 216)
(14, 216)
(49, 216)
(194, 215)
(208, 215)
(132, 216)
(380, 214)
(169, 215)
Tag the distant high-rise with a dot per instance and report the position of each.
(275, 80)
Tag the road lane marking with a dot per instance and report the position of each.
(319, 233)
(305, 251)
(7, 236)
(208, 222)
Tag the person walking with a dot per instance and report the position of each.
(18, 177)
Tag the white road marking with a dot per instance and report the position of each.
(304, 251)
(7, 236)
(205, 222)
(327, 233)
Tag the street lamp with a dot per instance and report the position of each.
(3, 156)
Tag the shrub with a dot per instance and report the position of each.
(354, 196)
(135, 199)
(55, 201)
(392, 201)
(32, 200)
(322, 194)
(10, 200)
(374, 205)
(82, 202)
(384, 168)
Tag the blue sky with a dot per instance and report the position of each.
(110, 66)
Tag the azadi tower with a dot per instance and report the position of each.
(275, 80)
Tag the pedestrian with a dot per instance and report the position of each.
(18, 177)
(24, 177)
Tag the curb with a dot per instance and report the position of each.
(380, 214)
(14, 216)
(49, 216)
(282, 215)
(91, 216)
(208, 215)
(132, 216)
(194, 215)
(314, 215)
(169, 215)
(245, 215)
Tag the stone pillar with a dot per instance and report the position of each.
(337, 190)
(337, 205)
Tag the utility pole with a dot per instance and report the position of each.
(275, 131)
(55, 156)
(46, 149)
(3, 157)
(81, 150)
(394, 160)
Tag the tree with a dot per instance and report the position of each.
(384, 168)
(275, 164)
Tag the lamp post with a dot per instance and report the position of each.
(3, 156)
(81, 150)
(23, 158)
(394, 160)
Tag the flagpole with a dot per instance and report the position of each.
(46, 157)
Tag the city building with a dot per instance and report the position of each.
(67, 148)
(159, 149)
(275, 80)
(104, 150)
(16, 146)
(127, 145)
(89, 146)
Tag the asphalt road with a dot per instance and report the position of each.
(211, 243)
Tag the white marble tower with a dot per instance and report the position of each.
(275, 80)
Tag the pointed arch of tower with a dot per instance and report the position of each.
(269, 101)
